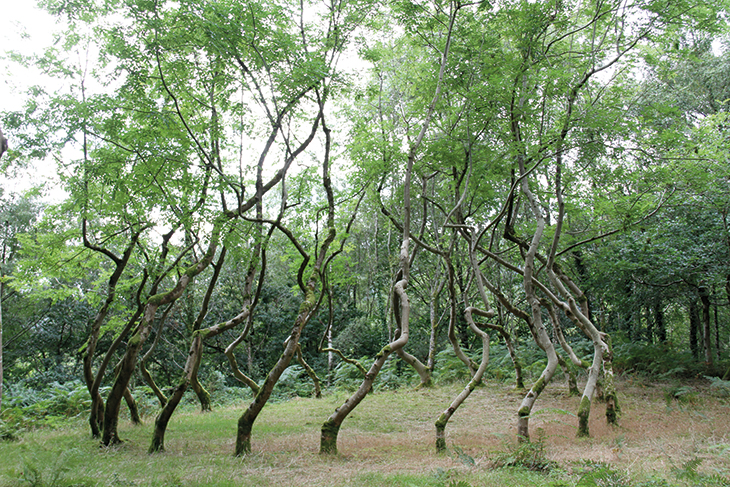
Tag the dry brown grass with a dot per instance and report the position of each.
(394, 432)
(391, 437)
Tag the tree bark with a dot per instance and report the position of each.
(129, 361)
(132, 406)
(306, 310)
(246, 421)
(704, 293)
(443, 420)
(120, 263)
(694, 326)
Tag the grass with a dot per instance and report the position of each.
(389, 441)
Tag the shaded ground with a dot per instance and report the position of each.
(390, 440)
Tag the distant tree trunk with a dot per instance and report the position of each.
(704, 293)
(2, 289)
(694, 326)
(143, 362)
(230, 354)
(3, 258)
(717, 335)
(3, 144)
(433, 309)
(646, 312)
(569, 377)
(659, 326)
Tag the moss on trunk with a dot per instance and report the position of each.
(243, 437)
(132, 405)
(96, 417)
(202, 393)
(328, 439)
(584, 410)
(441, 433)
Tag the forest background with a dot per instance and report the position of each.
(276, 197)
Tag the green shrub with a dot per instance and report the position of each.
(9, 432)
(719, 387)
(449, 368)
(529, 455)
(600, 475)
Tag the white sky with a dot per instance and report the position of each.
(24, 29)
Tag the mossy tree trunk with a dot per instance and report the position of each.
(202, 394)
(195, 353)
(433, 309)
(538, 328)
(400, 301)
(129, 361)
(306, 310)
(230, 355)
(89, 350)
(143, 362)
(308, 307)
(132, 406)
(443, 420)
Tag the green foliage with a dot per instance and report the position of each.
(529, 455)
(654, 360)
(294, 382)
(448, 368)
(601, 475)
(689, 473)
(35, 474)
(719, 387)
(680, 394)
(8, 432)
(459, 454)
(347, 377)
(394, 375)
(25, 408)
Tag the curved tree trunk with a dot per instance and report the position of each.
(230, 355)
(331, 427)
(87, 354)
(192, 364)
(246, 421)
(307, 309)
(310, 372)
(443, 420)
(143, 362)
(538, 329)
(132, 406)
(129, 361)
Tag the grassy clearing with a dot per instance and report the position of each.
(664, 439)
